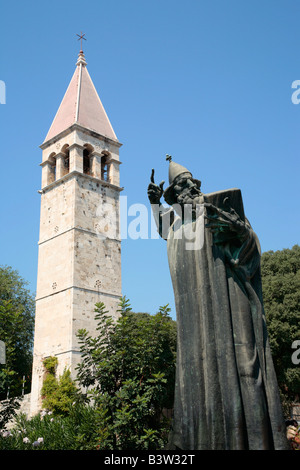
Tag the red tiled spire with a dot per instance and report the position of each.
(82, 105)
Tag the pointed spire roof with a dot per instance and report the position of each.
(81, 105)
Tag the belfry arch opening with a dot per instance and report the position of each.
(105, 158)
(87, 163)
(66, 164)
(52, 168)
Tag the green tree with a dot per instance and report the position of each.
(16, 330)
(281, 293)
(130, 369)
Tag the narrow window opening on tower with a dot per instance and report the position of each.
(86, 162)
(66, 165)
(52, 168)
(87, 167)
(105, 166)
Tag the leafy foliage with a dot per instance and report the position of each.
(16, 330)
(50, 363)
(78, 430)
(57, 393)
(130, 370)
(281, 293)
(8, 410)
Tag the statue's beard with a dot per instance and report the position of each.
(189, 196)
(189, 201)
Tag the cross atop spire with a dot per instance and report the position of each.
(81, 58)
(81, 37)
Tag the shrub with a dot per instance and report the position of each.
(76, 431)
(58, 394)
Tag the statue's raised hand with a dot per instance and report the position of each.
(155, 192)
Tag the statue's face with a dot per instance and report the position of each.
(186, 191)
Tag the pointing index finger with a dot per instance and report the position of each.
(152, 176)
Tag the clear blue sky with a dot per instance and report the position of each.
(208, 82)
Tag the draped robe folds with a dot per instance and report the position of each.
(226, 393)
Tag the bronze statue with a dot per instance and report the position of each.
(226, 393)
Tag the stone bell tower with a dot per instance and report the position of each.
(79, 261)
